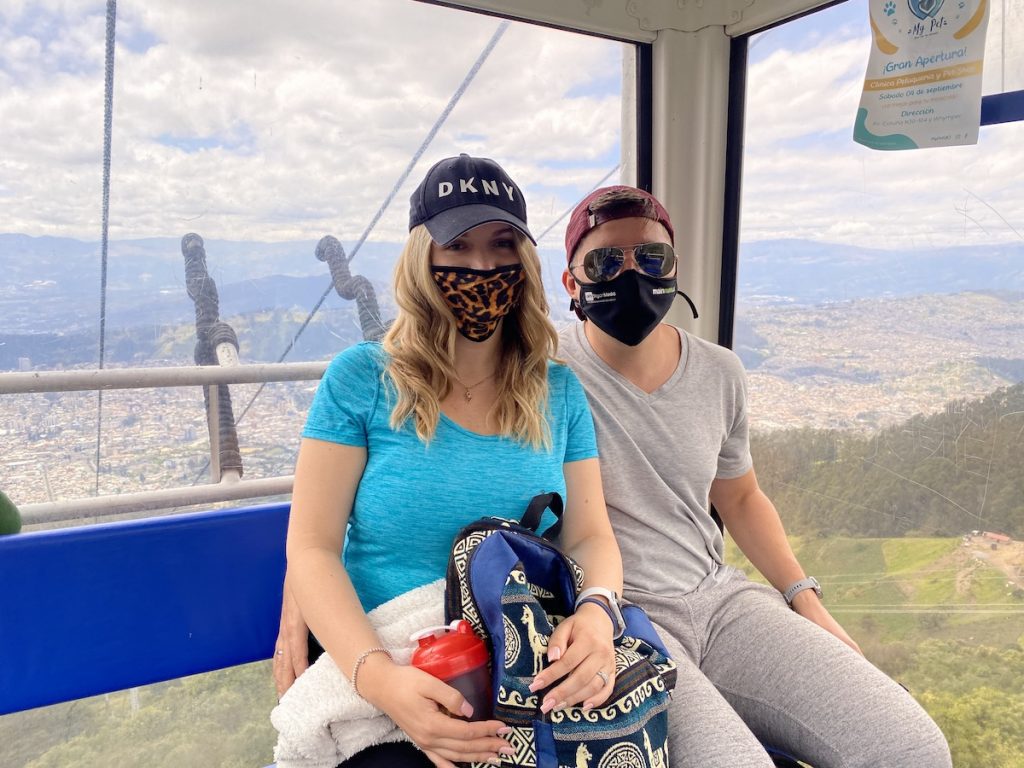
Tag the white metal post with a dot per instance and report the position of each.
(691, 88)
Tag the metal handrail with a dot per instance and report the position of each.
(230, 488)
(145, 378)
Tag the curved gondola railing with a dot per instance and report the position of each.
(351, 287)
(216, 344)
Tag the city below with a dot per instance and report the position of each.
(855, 366)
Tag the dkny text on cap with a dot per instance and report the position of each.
(459, 193)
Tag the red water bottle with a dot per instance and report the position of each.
(457, 656)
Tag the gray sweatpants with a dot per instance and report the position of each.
(751, 669)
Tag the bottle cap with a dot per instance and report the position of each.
(453, 652)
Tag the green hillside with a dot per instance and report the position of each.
(909, 590)
(939, 475)
(218, 719)
(941, 620)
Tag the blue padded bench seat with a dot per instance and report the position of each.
(101, 608)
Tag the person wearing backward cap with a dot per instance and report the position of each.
(756, 663)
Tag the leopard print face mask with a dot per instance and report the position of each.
(479, 298)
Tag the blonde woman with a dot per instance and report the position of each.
(461, 411)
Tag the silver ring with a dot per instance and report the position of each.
(603, 675)
(280, 652)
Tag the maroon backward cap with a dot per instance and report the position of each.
(583, 220)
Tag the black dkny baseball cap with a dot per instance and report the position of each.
(463, 192)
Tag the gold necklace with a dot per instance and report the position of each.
(467, 394)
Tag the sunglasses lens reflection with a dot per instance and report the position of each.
(603, 264)
(653, 259)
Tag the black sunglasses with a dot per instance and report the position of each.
(603, 264)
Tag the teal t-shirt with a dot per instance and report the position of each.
(414, 497)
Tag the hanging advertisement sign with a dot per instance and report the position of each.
(923, 82)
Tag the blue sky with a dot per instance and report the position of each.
(240, 139)
(846, 20)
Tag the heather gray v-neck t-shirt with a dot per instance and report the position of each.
(659, 453)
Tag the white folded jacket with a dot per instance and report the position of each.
(321, 721)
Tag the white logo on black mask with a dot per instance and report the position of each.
(629, 307)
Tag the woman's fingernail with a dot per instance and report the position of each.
(548, 704)
(536, 685)
(555, 654)
(506, 751)
(561, 705)
(466, 709)
(587, 707)
(494, 760)
(503, 730)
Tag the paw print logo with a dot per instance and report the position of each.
(890, 8)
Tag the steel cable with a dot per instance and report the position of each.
(108, 120)
(452, 102)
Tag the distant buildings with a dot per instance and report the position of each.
(998, 538)
(992, 536)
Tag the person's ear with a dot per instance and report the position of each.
(570, 284)
(573, 289)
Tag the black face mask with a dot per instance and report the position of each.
(629, 307)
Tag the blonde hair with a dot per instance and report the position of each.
(421, 347)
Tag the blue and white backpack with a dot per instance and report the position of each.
(514, 587)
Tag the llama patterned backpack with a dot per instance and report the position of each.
(514, 586)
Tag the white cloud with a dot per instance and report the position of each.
(804, 177)
(262, 120)
(793, 95)
(268, 121)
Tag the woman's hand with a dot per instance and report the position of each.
(808, 605)
(291, 651)
(419, 703)
(580, 647)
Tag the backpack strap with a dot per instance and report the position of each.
(535, 510)
(638, 625)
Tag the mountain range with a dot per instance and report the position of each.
(50, 294)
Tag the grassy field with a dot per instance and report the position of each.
(912, 589)
(943, 616)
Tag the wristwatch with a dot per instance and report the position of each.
(808, 583)
(590, 595)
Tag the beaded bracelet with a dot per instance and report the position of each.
(359, 662)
